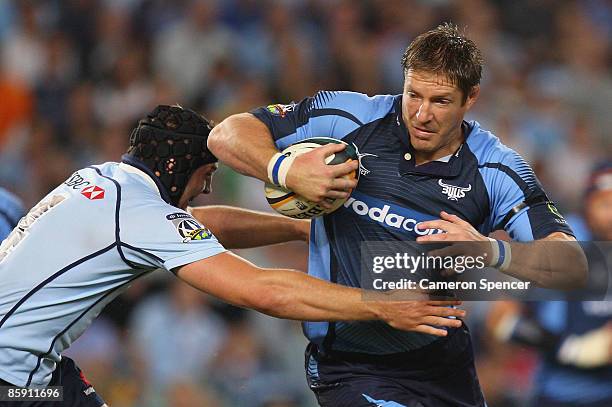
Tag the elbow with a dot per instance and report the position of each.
(580, 274)
(575, 273)
(274, 304)
(270, 299)
(216, 140)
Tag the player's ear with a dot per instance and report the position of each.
(472, 97)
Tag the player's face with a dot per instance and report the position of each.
(199, 183)
(599, 214)
(433, 110)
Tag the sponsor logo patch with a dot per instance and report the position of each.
(76, 181)
(179, 215)
(188, 228)
(388, 215)
(280, 110)
(93, 192)
(198, 234)
(558, 217)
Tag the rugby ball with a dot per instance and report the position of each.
(287, 202)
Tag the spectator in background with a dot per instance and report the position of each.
(189, 49)
(11, 210)
(196, 331)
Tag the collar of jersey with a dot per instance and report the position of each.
(133, 166)
(449, 169)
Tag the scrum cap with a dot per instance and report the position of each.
(170, 144)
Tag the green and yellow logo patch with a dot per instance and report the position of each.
(199, 234)
(280, 110)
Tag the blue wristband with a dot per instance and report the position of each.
(276, 168)
(502, 254)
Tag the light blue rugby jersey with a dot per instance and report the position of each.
(74, 252)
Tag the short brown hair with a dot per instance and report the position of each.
(447, 51)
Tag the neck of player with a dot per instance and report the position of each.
(450, 147)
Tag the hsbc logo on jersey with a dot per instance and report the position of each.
(93, 192)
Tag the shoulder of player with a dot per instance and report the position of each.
(363, 108)
(488, 148)
(499, 165)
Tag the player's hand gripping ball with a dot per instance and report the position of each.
(287, 202)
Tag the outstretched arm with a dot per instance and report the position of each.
(237, 228)
(294, 295)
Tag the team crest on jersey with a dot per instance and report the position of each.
(93, 192)
(454, 193)
(188, 228)
(280, 110)
(362, 169)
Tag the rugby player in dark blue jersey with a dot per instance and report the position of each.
(574, 338)
(424, 170)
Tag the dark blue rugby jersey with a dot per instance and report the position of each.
(484, 182)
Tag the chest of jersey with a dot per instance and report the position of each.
(394, 194)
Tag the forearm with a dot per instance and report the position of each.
(306, 298)
(237, 228)
(276, 292)
(244, 143)
(556, 263)
(294, 295)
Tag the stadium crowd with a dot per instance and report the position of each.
(75, 74)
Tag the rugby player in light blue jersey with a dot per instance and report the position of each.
(110, 224)
(424, 170)
(11, 210)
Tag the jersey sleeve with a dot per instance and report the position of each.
(518, 202)
(158, 235)
(327, 114)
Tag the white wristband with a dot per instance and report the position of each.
(278, 167)
(501, 254)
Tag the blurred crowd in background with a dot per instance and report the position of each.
(75, 75)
